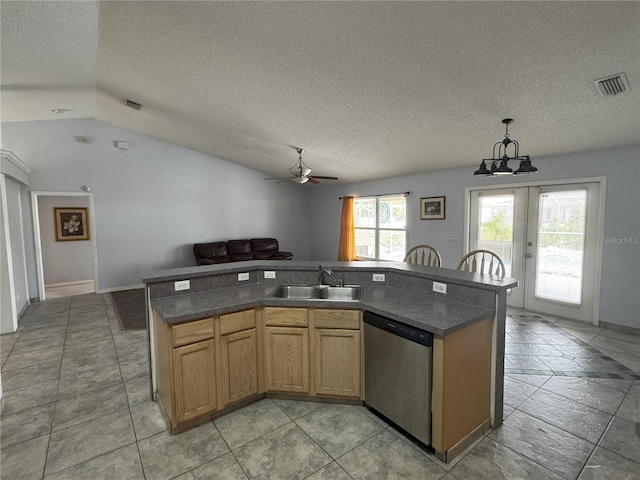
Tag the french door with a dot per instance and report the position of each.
(548, 238)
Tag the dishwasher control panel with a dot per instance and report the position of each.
(401, 329)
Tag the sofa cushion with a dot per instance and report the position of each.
(239, 250)
(211, 253)
(264, 248)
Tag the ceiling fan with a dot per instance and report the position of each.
(301, 173)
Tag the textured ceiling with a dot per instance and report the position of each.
(368, 89)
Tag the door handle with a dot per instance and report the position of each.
(529, 255)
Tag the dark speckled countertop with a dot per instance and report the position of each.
(441, 317)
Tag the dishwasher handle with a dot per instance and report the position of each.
(400, 329)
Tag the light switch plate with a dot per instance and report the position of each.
(378, 277)
(182, 285)
(269, 274)
(452, 237)
(243, 276)
(440, 287)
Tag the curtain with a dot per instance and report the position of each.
(347, 244)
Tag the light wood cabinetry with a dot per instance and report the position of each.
(239, 356)
(337, 362)
(195, 380)
(286, 317)
(287, 359)
(186, 380)
(336, 352)
(461, 394)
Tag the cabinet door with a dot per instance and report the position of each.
(239, 364)
(195, 380)
(337, 362)
(287, 359)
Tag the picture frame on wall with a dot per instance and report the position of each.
(72, 223)
(432, 208)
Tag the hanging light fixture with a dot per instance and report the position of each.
(500, 160)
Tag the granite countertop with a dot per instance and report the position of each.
(438, 316)
(487, 282)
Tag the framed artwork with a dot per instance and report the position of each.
(432, 208)
(71, 223)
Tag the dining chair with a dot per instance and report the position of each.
(482, 261)
(423, 255)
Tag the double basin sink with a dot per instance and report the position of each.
(319, 292)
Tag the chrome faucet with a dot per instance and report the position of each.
(321, 272)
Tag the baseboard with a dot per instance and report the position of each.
(67, 284)
(620, 328)
(120, 289)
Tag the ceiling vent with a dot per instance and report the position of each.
(612, 85)
(132, 104)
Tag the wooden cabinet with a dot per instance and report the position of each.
(287, 359)
(195, 380)
(186, 380)
(461, 393)
(337, 362)
(286, 352)
(336, 352)
(239, 356)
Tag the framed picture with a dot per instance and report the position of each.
(432, 208)
(71, 223)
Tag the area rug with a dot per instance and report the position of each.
(130, 308)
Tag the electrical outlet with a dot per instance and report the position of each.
(243, 276)
(378, 277)
(182, 285)
(440, 287)
(269, 274)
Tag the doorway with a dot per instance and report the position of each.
(63, 267)
(548, 237)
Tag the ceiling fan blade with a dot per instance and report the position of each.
(323, 178)
(277, 178)
(313, 181)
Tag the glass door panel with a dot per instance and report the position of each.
(560, 245)
(562, 248)
(495, 229)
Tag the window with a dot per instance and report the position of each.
(380, 227)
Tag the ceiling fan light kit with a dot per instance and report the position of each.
(301, 173)
(500, 160)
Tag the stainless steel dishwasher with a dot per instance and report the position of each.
(398, 368)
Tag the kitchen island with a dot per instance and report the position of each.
(225, 342)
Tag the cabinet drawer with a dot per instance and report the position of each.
(343, 319)
(191, 332)
(286, 317)
(237, 322)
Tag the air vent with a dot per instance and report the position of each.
(132, 104)
(612, 85)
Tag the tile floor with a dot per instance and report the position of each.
(77, 407)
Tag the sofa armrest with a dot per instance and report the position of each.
(281, 256)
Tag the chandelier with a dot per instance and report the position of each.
(500, 160)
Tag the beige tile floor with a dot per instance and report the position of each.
(77, 407)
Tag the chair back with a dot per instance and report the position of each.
(482, 261)
(423, 255)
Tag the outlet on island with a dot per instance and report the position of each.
(243, 276)
(378, 277)
(440, 287)
(269, 274)
(182, 285)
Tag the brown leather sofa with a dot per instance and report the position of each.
(238, 251)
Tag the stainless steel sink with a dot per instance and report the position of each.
(319, 292)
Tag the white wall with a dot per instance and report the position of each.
(154, 200)
(620, 302)
(21, 294)
(63, 262)
(13, 281)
